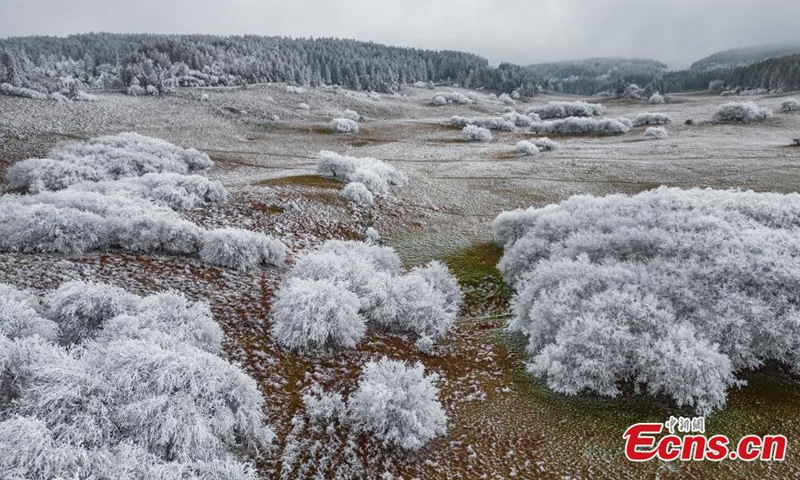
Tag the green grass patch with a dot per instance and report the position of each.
(475, 263)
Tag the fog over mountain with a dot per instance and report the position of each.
(519, 31)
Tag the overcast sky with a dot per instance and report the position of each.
(520, 31)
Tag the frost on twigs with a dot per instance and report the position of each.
(397, 404)
(423, 302)
(583, 126)
(652, 119)
(656, 132)
(567, 109)
(673, 291)
(359, 194)
(473, 133)
(139, 394)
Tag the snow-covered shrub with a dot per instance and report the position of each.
(492, 123)
(351, 115)
(652, 119)
(656, 132)
(567, 109)
(372, 236)
(240, 249)
(81, 308)
(451, 97)
(316, 314)
(545, 144)
(520, 120)
(438, 101)
(741, 112)
(323, 407)
(58, 97)
(506, 99)
(138, 402)
(583, 126)
(376, 175)
(656, 99)
(303, 106)
(515, 95)
(293, 89)
(425, 301)
(790, 105)
(625, 121)
(20, 316)
(359, 194)
(344, 125)
(151, 90)
(10, 90)
(136, 90)
(81, 96)
(398, 404)
(176, 191)
(473, 133)
(526, 148)
(670, 290)
(104, 158)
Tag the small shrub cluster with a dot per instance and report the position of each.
(656, 132)
(567, 109)
(10, 90)
(474, 133)
(526, 147)
(544, 144)
(332, 293)
(506, 99)
(293, 89)
(359, 194)
(100, 383)
(352, 115)
(491, 123)
(521, 120)
(672, 291)
(583, 126)
(652, 119)
(443, 98)
(344, 125)
(741, 112)
(376, 175)
(656, 99)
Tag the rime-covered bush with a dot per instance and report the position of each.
(359, 194)
(293, 89)
(10, 90)
(398, 404)
(583, 126)
(652, 119)
(567, 109)
(81, 96)
(656, 99)
(376, 175)
(240, 249)
(521, 120)
(137, 399)
(351, 115)
(423, 302)
(656, 132)
(790, 105)
(492, 123)
(173, 190)
(741, 112)
(545, 144)
(315, 315)
(104, 158)
(451, 97)
(526, 148)
(673, 291)
(71, 221)
(506, 99)
(303, 106)
(344, 125)
(473, 133)
(20, 317)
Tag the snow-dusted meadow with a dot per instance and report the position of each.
(501, 422)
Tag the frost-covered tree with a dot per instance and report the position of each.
(20, 316)
(351, 115)
(652, 119)
(685, 287)
(741, 112)
(398, 404)
(473, 133)
(656, 99)
(240, 249)
(359, 194)
(315, 315)
(656, 132)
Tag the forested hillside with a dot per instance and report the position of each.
(740, 57)
(158, 63)
(594, 75)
